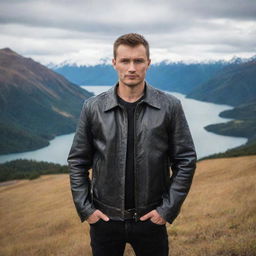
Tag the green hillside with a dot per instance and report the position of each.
(28, 169)
(244, 125)
(236, 128)
(245, 150)
(36, 104)
(243, 112)
(233, 85)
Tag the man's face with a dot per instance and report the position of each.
(131, 64)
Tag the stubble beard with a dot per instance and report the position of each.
(132, 85)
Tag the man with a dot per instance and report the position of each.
(130, 136)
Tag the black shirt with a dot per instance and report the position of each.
(129, 172)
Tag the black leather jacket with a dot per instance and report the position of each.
(162, 140)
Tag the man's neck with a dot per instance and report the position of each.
(130, 94)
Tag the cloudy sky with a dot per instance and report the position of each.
(83, 31)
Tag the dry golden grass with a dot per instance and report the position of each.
(38, 217)
(219, 215)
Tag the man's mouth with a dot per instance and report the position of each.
(131, 76)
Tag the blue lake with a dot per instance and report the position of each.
(198, 113)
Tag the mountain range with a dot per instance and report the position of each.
(219, 82)
(178, 77)
(36, 103)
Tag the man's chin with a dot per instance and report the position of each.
(132, 84)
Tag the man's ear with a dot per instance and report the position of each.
(149, 62)
(114, 63)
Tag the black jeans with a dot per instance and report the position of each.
(146, 238)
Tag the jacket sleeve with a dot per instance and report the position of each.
(80, 161)
(183, 163)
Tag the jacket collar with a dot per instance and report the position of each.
(151, 97)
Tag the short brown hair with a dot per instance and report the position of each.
(131, 39)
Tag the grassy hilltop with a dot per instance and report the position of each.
(218, 218)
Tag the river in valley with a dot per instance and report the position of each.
(198, 113)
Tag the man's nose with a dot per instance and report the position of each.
(131, 67)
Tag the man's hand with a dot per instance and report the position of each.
(155, 217)
(96, 215)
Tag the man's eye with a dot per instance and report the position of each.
(124, 61)
(139, 61)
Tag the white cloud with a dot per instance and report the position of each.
(84, 30)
